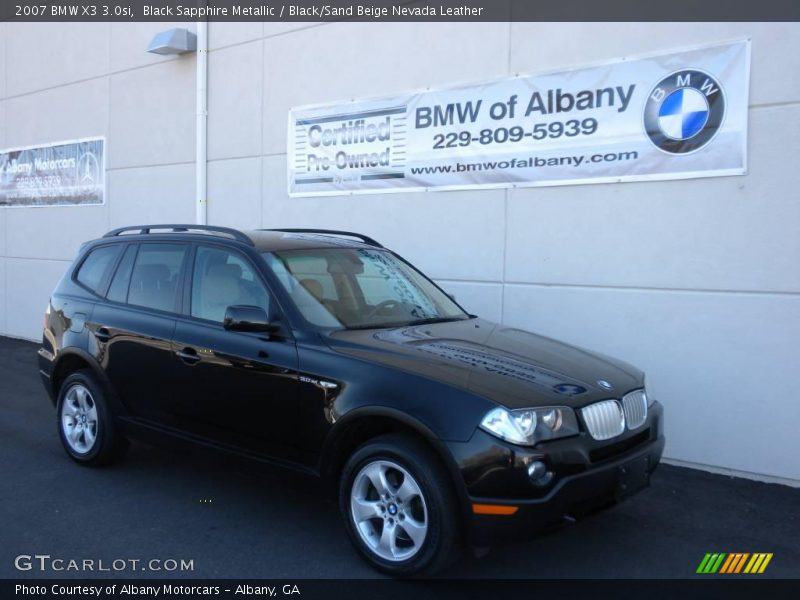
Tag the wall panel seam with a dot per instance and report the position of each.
(39, 258)
(88, 79)
(619, 287)
(150, 166)
(263, 37)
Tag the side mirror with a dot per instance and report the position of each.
(248, 318)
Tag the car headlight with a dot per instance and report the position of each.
(529, 426)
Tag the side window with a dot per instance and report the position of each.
(155, 276)
(96, 267)
(118, 290)
(221, 279)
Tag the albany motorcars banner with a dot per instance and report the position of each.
(666, 116)
(56, 174)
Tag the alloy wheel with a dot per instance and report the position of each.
(79, 421)
(388, 510)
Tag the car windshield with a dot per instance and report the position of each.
(360, 289)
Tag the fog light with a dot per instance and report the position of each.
(538, 474)
(536, 470)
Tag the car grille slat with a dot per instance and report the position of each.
(635, 407)
(609, 418)
(604, 420)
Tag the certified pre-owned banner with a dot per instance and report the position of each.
(57, 174)
(670, 116)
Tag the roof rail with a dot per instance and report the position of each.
(364, 238)
(146, 229)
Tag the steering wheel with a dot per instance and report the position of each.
(381, 306)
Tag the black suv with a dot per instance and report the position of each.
(324, 352)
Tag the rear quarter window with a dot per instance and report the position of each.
(96, 267)
(118, 290)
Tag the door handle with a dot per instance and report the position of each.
(188, 355)
(102, 334)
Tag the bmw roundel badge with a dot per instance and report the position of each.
(684, 111)
(569, 389)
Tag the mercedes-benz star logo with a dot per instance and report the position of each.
(88, 169)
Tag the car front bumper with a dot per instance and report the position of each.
(586, 476)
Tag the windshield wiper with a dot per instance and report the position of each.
(436, 320)
(408, 323)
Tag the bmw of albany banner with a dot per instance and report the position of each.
(58, 174)
(669, 116)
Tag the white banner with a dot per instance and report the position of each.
(670, 116)
(56, 174)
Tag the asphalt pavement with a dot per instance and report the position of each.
(234, 521)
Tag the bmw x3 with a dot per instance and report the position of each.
(324, 352)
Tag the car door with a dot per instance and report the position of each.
(135, 325)
(238, 388)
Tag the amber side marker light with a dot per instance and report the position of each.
(494, 509)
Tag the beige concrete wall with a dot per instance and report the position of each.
(695, 281)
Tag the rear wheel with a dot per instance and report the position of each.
(398, 507)
(85, 424)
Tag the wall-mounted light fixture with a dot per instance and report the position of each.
(173, 41)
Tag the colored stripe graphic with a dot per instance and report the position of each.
(765, 563)
(734, 562)
(702, 567)
(711, 562)
(741, 562)
(758, 563)
(728, 563)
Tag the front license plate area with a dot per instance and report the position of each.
(632, 477)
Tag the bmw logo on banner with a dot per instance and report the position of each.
(684, 111)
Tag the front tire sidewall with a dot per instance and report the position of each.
(102, 450)
(419, 465)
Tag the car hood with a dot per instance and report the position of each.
(509, 366)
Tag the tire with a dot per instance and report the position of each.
(85, 424)
(414, 530)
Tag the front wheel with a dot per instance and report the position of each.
(398, 507)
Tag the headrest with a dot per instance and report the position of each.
(151, 273)
(221, 286)
(313, 287)
(228, 271)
